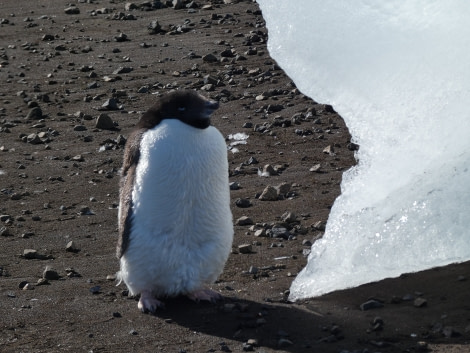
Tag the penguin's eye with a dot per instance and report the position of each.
(181, 109)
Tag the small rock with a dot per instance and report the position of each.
(33, 139)
(234, 185)
(316, 168)
(260, 233)
(449, 332)
(210, 58)
(104, 121)
(278, 232)
(244, 221)
(420, 302)
(78, 158)
(79, 128)
(284, 342)
(243, 203)
(95, 290)
(289, 217)
(269, 194)
(42, 281)
(122, 70)
(110, 104)
(72, 10)
(22, 284)
(71, 247)
(30, 253)
(5, 232)
(50, 274)
(245, 248)
(319, 225)
(329, 150)
(371, 304)
(283, 189)
(268, 170)
(121, 37)
(86, 211)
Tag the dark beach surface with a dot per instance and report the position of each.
(74, 80)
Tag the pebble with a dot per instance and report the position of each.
(72, 10)
(86, 211)
(289, 217)
(420, 302)
(71, 247)
(110, 104)
(210, 58)
(234, 185)
(371, 304)
(319, 225)
(329, 150)
(245, 248)
(30, 253)
(269, 194)
(95, 290)
(316, 168)
(5, 232)
(244, 221)
(243, 203)
(79, 128)
(260, 233)
(278, 232)
(104, 122)
(35, 114)
(284, 342)
(33, 139)
(50, 274)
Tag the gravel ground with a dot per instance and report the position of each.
(74, 80)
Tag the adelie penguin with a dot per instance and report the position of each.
(175, 222)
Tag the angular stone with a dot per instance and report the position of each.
(34, 114)
(283, 188)
(244, 221)
(420, 302)
(269, 194)
(110, 104)
(316, 168)
(289, 217)
(329, 149)
(72, 10)
(371, 304)
(210, 58)
(260, 233)
(30, 253)
(71, 247)
(243, 203)
(50, 274)
(104, 121)
(245, 248)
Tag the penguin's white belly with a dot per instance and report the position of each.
(182, 230)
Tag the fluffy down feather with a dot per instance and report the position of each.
(181, 225)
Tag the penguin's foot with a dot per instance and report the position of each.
(204, 294)
(148, 303)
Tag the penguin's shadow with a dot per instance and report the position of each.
(275, 325)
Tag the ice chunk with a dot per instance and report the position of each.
(398, 73)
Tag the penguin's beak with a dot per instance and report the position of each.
(210, 106)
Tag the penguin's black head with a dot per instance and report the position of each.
(186, 105)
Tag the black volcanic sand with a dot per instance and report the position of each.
(59, 184)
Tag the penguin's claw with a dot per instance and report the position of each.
(148, 303)
(204, 294)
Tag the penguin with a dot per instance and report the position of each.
(175, 221)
